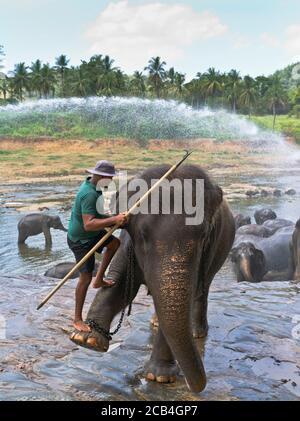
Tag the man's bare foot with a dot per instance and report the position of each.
(98, 283)
(81, 326)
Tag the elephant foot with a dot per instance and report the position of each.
(200, 332)
(154, 321)
(161, 372)
(91, 340)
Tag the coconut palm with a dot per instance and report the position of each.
(35, 77)
(79, 81)
(276, 96)
(48, 80)
(138, 86)
(212, 83)
(1, 56)
(4, 85)
(61, 63)
(157, 74)
(179, 83)
(233, 86)
(21, 80)
(248, 94)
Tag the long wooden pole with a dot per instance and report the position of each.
(110, 231)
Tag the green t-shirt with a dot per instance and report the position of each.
(86, 203)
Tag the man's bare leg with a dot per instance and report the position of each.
(80, 294)
(108, 254)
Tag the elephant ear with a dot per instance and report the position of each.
(213, 198)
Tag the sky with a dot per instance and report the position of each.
(253, 36)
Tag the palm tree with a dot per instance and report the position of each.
(4, 86)
(79, 81)
(157, 74)
(171, 74)
(35, 76)
(212, 83)
(106, 78)
(179, 83)
(233, 86)
(249, 94)
(21, 80)
(62, 65)
(47, 80)
(276, 96)
(1, 56)
(138, 85)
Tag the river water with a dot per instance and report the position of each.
(251, 353)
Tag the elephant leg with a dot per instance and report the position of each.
(22, 237)
(161, 367)
(106, 305)
(47, 234)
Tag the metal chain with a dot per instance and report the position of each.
(128, 294)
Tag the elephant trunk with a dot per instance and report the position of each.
(246, 269)
(172, 295)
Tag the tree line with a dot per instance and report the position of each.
(100, 77)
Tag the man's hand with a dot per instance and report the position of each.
(121, 219)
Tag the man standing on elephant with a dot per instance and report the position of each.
(86, 228)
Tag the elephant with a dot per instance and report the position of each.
(274, 225)
(36, 223)
(254, 229)
(177, 262)
(241, 220)
(60, 270)
(296, 251)
(257, 259)
(264, 214)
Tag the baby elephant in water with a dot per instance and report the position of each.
(36, 223)
(60, 270)
(258, 259)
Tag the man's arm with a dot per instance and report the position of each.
(91, 223)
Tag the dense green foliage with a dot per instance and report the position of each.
(278, 93)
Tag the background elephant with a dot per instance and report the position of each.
(274, 225)
(296, 251)
(254, 229)
(262, 215)
(177, 262)
(60, 270)
(257, 259)
(36, 223)
(241, 220)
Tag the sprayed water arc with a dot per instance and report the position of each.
(138, 119)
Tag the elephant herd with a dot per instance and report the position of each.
(267, 250)
(177, 263)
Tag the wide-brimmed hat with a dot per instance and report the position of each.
(104, 168)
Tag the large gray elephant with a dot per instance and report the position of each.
(296, 251)
(37, 223)
(177, 262)
(254, 229)
(257, 259)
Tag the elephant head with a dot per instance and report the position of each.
(249, 262)
(262, 215)
(55, 222)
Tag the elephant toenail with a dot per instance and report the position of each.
(162, 379)
(92, 342)
(150, 376)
